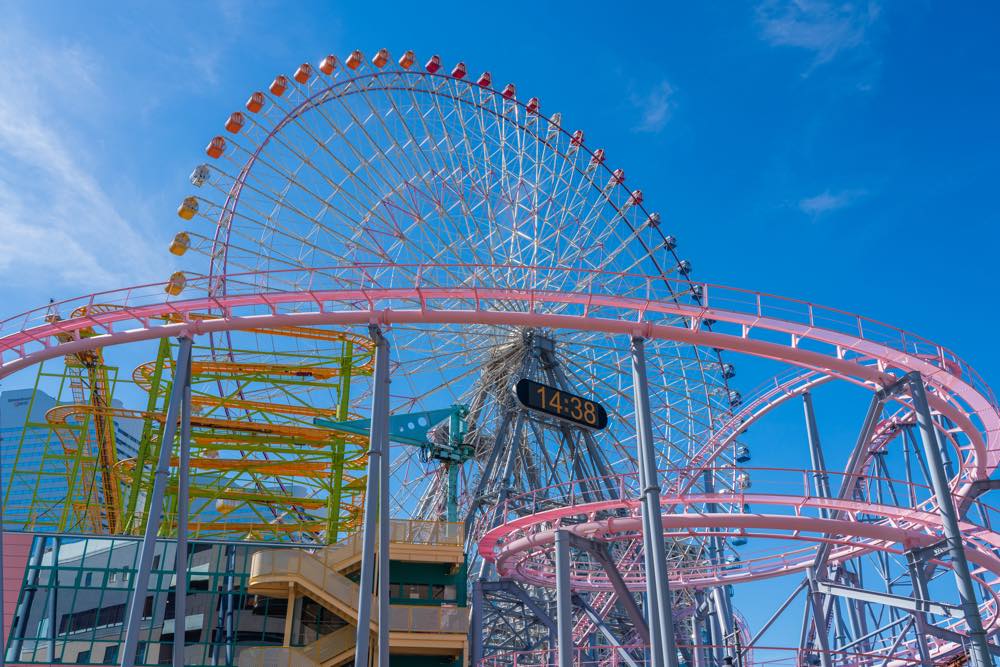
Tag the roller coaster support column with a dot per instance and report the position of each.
(181, 555)
(564, 600)
(174, 410)
(721, 619)
(385, 521)
(821, 480)
(660, 613)
(949, 520)
(377, 487)
(915, 564)
(819, 619)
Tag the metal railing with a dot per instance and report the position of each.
(438, 282)
(287, 564)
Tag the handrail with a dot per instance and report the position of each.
(714, 297)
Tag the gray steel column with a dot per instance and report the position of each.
(697, 652)
(949, 521)
(564, 603)
(25, 604)
(718, 640)
(920, 592)
(230, 604)
(821, 484)
(53, 601)
(222, 638)
(652, 596)
(476, 638)
(855, 608)
(621, 654)
(721, 603)
(181, 554)
(653, 537)
(376, 442)
(145, 564)
(385, 521)
(819, 619)
(821, 481)
(720, 607)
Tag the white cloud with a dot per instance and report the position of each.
(823, 27)
(826, 201)
(59, 227)
(654, 107)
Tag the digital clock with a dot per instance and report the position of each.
(555, 402)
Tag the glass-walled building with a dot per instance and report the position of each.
(75, 594)
(36, 473)
(247, 603)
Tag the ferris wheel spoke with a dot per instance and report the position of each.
(385, 177)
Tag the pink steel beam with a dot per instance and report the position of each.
(847, 352)
(955, 397)
(902, 528)
(513, 544)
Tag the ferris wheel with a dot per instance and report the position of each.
(527, 298)
(426, 175)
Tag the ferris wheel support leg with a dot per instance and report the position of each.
(505, 486)
(181, 554)
(145, 564)
(662, 631)
(949, 520)
(373, 492)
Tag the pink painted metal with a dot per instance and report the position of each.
(825, 342)
(960, 394)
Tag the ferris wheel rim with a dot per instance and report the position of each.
(233, 196)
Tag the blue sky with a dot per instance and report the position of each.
(844, 153)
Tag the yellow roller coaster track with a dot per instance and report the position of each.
(214, 434)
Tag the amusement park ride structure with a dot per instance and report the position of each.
(421, 241)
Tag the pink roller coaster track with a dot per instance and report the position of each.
(823, 341)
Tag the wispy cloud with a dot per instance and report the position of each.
(59, 226)
(827, 201)
(825, 28)
(654, 107)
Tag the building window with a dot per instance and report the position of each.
(444, 592)
(83, 656)
(110, 655)
(415, 591)
(78, 621)
(167, 653)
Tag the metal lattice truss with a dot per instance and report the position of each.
(489, 244)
